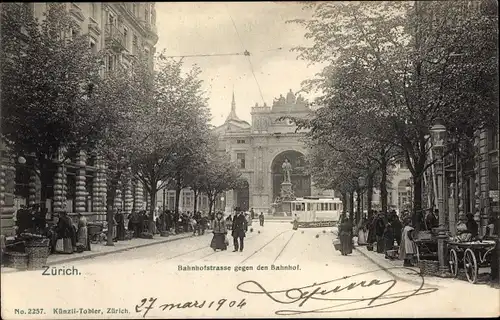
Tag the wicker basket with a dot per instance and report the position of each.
(428, 267)
(16, 260)
(38, 251)
(164, 233)
(146, 235)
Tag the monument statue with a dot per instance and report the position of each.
(290, 98)
(287, 169)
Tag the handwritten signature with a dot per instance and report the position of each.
(339, 297)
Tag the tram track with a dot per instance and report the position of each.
(180, 254)
(212, 253)
(265, 245)
(284, 247)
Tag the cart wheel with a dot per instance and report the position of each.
(453, 263)
(470, 265)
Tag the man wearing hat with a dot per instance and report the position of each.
(239, 228)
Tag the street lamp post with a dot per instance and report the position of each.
(438, 132)
(361, 184)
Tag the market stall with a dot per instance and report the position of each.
(426, 244)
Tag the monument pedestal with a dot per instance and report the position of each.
(287, 192)
(284, 207)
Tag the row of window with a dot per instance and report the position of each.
(187, 200)
(316, 206)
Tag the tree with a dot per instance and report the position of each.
(414, 62)
(220, 175)
(174, 133)
(124, 94)
(47, 76)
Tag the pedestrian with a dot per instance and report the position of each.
(379, 232)
(397, 226)
(295, 222)
(151, 223)
(82, 234)
(388, 237)
(372, 238)
(120, 227)
(261, 219)
(472, 226)
(220, 232)
(194, 225)
(66, 231)
(133, 223)
(212, 219)
(345, 236)
(239, 227)
(362, 232)
(431, 219)
(408, 249)
(203, 224)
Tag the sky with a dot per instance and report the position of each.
(206, 28)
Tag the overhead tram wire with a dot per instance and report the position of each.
(245, 53)
(248, 56)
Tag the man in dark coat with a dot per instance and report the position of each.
(431, 219)
(239, 228)
(261, 219)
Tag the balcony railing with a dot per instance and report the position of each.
(114, 37)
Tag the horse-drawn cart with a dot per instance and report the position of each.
(470, 256)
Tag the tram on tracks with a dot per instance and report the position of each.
(316, 212)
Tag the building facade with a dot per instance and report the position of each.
(78, 185)
(260, 148)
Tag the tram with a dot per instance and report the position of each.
(315, 212)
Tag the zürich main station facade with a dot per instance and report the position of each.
(259, 150)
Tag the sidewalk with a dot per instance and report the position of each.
(392, 267)
(102, 250)
(395, 268)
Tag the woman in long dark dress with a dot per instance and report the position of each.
(120, 227)
(379, 232)
(345, 236)
(220, 231)
(388, 237)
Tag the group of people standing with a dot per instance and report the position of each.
(384, 229)
(68, 237)
(140, 222)
(238, 225)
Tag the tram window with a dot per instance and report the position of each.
(335, 206)
(308, 207)
(303, 206)
(331, 206)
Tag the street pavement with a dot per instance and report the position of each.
(315, 281)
